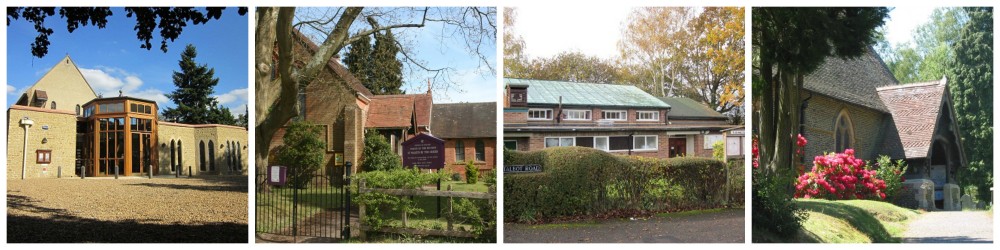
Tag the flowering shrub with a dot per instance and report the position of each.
(800, 144)
(892, 173)
(755, 150)
(840, 176)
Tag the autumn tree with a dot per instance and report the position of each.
(169, 21)
(277, 81)
(970, 82)
(695, 53)
(515, 62)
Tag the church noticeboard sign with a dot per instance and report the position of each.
(529, 168)
(276, 175)
(423, 151)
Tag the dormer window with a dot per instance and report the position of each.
(647, 116)
(577, 114)
(539, 114)
(614, 115)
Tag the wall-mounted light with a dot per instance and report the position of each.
(45, 140)
(163, 144)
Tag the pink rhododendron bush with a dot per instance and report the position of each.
(840, 176)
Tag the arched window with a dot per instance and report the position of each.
(480, 150)
(239, 156)
(173, 155)
(459, 151)
(229, 155)
(180, 156)
(211, 156)
(78, 110)
(53, 104)
(201, 153)
(843, 132)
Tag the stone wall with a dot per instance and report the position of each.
(821, 116)
(60, 137)
(190, 138)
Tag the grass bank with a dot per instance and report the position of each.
(850, 221)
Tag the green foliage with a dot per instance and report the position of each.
(892, 173)
(584, 181)
(774, 211)
(926, 58)
(471, 173)
(302, 152)
(193, 96)
(490, 178)
(378, 154)
(376, 66)
(719, 150)
(970, 82)
(481, 214)
(378, 204)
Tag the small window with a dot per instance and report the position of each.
(53, 104)
(480, 150)
(601, 142)
(43, 156)
(614, 115)
(648, 116)
(560, 142)
(578, 115)
(539, 114)
(510, 144)
(644, 142)
(459, 151)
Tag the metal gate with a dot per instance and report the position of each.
(313, 205)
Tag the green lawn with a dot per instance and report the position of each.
(853, 221)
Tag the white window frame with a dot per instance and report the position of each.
(646, 140)
(586, 113)
(560, 140)
(548, 114)
(622, 115)
(607, 143)
(655, 114)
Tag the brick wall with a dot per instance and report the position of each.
(537, 141)
(60, 138)
(470, 154)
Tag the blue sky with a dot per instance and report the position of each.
(438, 48)
(111, 59)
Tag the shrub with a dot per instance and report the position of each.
(773, 209)
(719, 150)
(471, 173)
(302, 153)
(378, 154)
(585, 181)
(392, 179)
(490, 177)
(840, 176)
(892, 173)
(456, 177)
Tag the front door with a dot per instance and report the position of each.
(678, 147)
(141, 153)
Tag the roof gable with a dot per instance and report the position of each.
(333, 65)
(852, 80)
(64, 83)
(586, 94)
(916, 110)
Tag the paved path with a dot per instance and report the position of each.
(951, 227)
(718, 227)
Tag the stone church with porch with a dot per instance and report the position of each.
(858, 103)
(59, 127)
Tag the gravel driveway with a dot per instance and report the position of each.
(717, 227)
(208, 209)
(951, 227)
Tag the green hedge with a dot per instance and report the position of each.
(584, 181)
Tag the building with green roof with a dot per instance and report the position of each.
(615, 118)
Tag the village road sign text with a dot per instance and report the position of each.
(529, 168)
(423, 151)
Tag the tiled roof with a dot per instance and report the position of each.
(915, 109)
(465, 120)
(333, 65)
(396, 111)
(853, 80)
(586, 94)
(686, 107)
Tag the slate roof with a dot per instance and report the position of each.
(334, 65)
(398, 111)
(683, 107)
(465, 120)
(852, 81)
(586, 94)
(915, 109)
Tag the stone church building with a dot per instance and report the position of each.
(59, 127)
(859, 104)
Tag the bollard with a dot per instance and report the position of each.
(83, 173)
(149, 171)
(59, 174)
(190, 172)
(116, 172)
(177, 174)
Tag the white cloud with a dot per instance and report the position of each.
(107, 81)
(236, 95)
(591, 29)
(10, 89)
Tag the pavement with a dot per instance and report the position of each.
(725, 226)
(951, 227)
